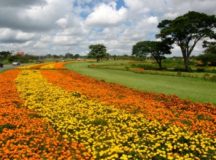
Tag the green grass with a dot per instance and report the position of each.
(194, 89)
(132, 65)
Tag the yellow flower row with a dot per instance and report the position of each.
(43, 66)
(106, 132)
(48, 66)
(28, 66)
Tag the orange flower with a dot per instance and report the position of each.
(167, 109)
(23, 133)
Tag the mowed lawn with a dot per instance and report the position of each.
(194, 89)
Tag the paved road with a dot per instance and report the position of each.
(8, 66)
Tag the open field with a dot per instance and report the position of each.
(49, 112)
(188, 88)
(148, 67)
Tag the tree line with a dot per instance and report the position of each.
(8, 57)
(184, 31)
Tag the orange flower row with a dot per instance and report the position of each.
(167, 109)
(24, 134)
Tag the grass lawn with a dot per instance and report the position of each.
(194, 89)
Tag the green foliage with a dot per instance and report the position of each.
(76, 56)
(97, 51)
(187, 30)
(209, 56)
(8, 126)
(69, 55)
(101, 122)
(4, 55)
(155, 48)
(22, 58)
(139, 50)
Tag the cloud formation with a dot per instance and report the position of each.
(106, 14)
(53, 26)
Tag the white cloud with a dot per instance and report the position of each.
(54, 26)
(13, 36)
(37, 17)
(62, 22)
(106, 14)
(152, 20)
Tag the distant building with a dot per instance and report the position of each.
(20, 53)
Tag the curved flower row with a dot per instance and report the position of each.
(167, 109)
(48, 66)
(107, 132)
(24, 134)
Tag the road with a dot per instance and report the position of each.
(8, 66)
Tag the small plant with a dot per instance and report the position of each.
(101, 122)
(34, 115)
(7, 125)
(200, 70)
(213, 78)
(206, 76)
(179, 74)
(76, 94)
(127, 68)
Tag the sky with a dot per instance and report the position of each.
(59, 26)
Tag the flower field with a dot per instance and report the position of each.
(167, 109)
(24, 134)
(48, 112)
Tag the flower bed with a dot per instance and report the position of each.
(24, 134)
(106, 131)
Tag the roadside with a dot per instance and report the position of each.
(6, 67)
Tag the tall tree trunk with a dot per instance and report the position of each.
(186, 63)
(185, 57)
(160, 64)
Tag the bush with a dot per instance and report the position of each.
(200, 70)
(179, 74)
(206, 76)
(213, 78)
(127, 68)
(181, 69)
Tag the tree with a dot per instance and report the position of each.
(69, 55)
(97, 51)
(187, 30)
(155, 48)
(5, 55)
(107, 56)
(139, 50)
(210, 54)
(114, 57)
(76, 56)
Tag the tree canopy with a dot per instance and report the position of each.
(97, 51)
(139, 49)
(210, 54)
(5, 54)
(187, 30)
(157, 49)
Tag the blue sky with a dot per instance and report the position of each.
(120, 3)
(53, 26)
